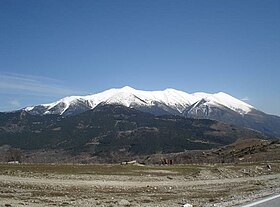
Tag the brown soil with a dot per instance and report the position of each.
(128, 185)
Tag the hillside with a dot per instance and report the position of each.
(113, 130)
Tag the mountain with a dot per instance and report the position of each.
(116, 130)
(218, 106)
(169, 100)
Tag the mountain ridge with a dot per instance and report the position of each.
(129, 96)
(217, 106)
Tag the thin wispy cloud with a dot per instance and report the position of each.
(12, 83)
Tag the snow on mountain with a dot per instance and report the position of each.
(226, 100)
(130, 97)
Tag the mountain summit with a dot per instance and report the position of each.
(127, 96)
(218, 106)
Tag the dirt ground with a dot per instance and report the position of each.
(135, 185)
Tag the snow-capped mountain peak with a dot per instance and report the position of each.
(168, 99)
(127, 89)
(226, 100)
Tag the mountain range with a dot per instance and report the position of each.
(123, 123)
(218, 106)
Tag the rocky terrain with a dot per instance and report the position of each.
(136, 185)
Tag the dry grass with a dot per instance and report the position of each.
(100, 169)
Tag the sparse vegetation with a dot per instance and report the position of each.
(100, 169)
(112, 185)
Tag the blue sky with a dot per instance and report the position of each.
(51, 49)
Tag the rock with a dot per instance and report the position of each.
(124, 202)
(8, 205)
(268, 167)
(187, 205)
(146, 199)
